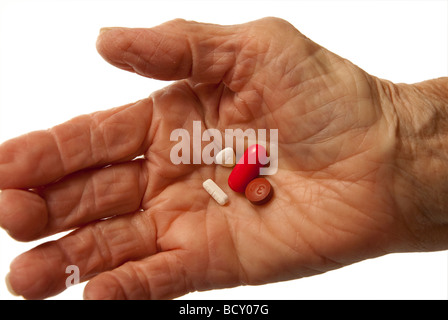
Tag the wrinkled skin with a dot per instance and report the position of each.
(336, 201)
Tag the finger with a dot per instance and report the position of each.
(93, 140)
(161, 276)
(73, 201)
(95, 248)
(167, 51)
(182, 49)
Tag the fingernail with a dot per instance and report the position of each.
(103, 30)
(8, 285)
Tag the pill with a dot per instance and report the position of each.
(247, 168)
(259, 191)
(215, 191)
(226, 157)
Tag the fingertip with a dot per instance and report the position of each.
(101, 37)
(109, 45)
(23, 280)
(23, 214)
(38, 273)
(109, 32)
(90, 292)
(9, 286)
(102, 288)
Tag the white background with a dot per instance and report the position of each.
(50, 72)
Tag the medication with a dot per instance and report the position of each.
(216, 192)
(259, 191)
(247, 168)
(226, 157)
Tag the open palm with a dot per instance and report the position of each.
(146, 229)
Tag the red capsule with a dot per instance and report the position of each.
(247, 168)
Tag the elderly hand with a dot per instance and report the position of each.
(145, 229)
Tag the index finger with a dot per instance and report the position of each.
(93, 140)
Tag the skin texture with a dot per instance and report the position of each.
(347, 187)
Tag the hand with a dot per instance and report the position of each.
(145, 228)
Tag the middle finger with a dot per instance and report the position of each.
(75, 200)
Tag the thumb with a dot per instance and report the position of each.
(182, 49)
(174, 50)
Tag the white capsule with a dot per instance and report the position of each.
(216, 192)
(225, 157)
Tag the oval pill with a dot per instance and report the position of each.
(226, 157)
(259, 191)
(247, 168)
(215, 191)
